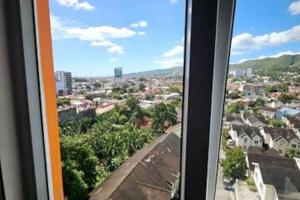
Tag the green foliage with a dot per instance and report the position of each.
(97, 85)
(92, 149)
(258, 103)
(287, 98)
(175, 89)
(277, 88)
(62, 102)
(224, 137)
(76, 150)
(73, 127)
(291, 153)
(142, 86)
(162, 114)
(278, 123)
(233, 95)
(234, 165)
(272, 67)
(89, 97)
(74, 185)
(149, 97)
(235, 107)
(132, 89)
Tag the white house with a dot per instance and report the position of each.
(277, 178)
(265, 191)
(246, 136)
(280, 139)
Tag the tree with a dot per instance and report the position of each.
(162, 114)
(234, 165)
(97, 85)
(75, 149)
(291, 153)
(63, 102)
(234, 95)
(142, 86)
(287, 98)
(258, 103)
(149, 97)
(74, 185)
(132, 103)
(277, 88)
(235, 107)
(278, 123)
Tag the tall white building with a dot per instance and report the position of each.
(63, 82)
(249, 73)
(237, 73)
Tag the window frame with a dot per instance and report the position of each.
(208, 39)
(208, 32)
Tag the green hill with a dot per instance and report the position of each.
(286, 63)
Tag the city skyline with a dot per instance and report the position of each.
(146, 36)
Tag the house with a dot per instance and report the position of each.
(251, 120)
(246, 136)
(294, 89)
(293, 121)
(280, 139)
(151, 173)
(279, 179)
(232, 119)
(275, 177)
(268, 112)
(286, 112)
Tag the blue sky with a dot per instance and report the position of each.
(91, 37)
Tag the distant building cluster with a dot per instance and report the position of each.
(241, 73)
(262, 118)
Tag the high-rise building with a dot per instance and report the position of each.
(118, 72)
(118, 75)
(249, 73)
(63, 82)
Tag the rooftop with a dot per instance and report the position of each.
(151, 173)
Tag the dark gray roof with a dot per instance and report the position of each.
(280, 172)
(277, 133)
(249, 130)
(259, 155)
(295, 120)
(285, 179)
(151, 173)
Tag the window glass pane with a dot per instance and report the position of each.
(118, 71)
(259, 155)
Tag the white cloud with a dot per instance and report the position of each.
(248, 41)
(139, 24)
(76, 4)
(98, 36)
(141, 33)
(170, 62)
(173, 1)
(177, 50)
(294, 8)
(115, 49)
(113, 60)
(172, 57)
(282, 53)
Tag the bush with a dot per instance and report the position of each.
(234, 165)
